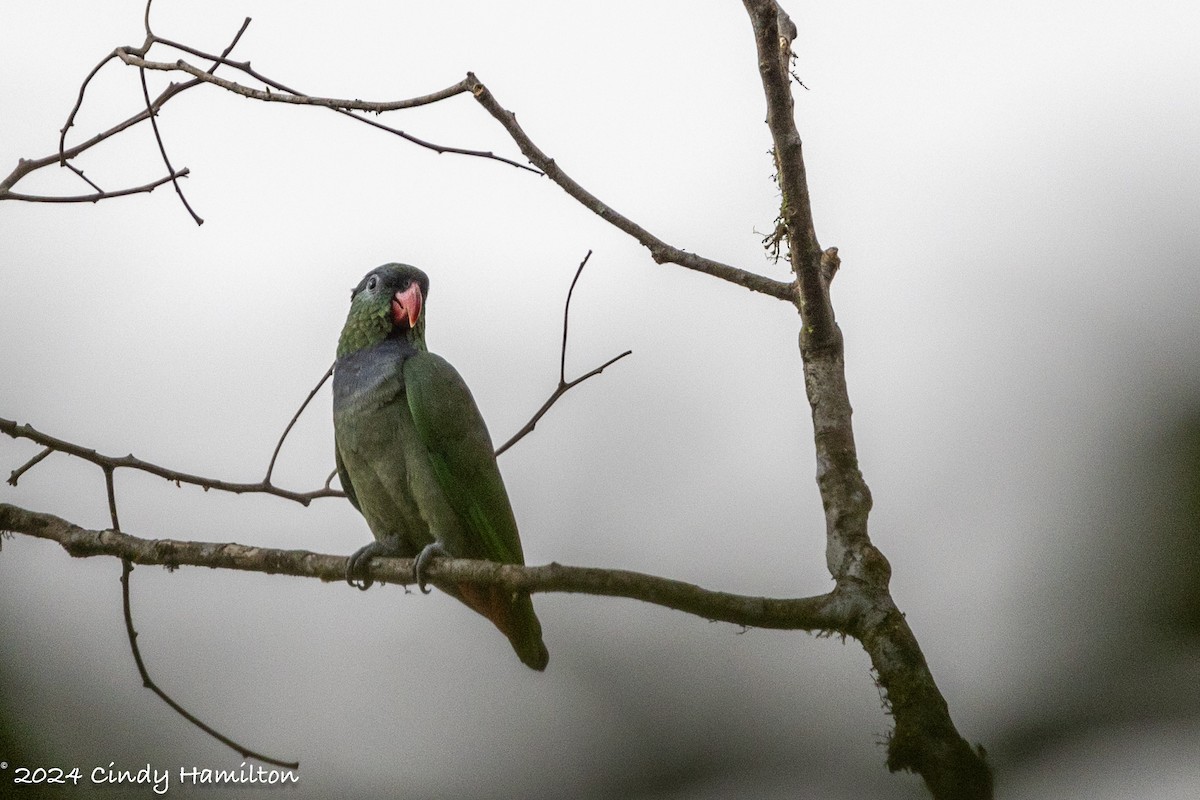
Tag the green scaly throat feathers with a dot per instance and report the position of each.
(389, 301)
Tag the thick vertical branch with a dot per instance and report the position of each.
(925, 740)
(773, 32)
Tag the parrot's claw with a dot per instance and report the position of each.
(431, 550)
(357, 564)
(358, 561)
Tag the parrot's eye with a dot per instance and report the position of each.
(372, 282)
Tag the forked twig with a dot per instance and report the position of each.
(564, 385)
(136, 56)
(106, 462)
(148, 682)
(126, 569)
(151, 108)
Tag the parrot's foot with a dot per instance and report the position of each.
(356, 564)
(431, 550)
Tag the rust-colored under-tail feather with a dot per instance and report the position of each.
(512, 613)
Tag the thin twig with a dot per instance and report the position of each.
(562, 360)
(18, 431)
(112, 498)
(62, 133)
(437, 148)
(563, 384)
(558, 392)
(96, 197)
(162, 148)
(148, 682)
(292, 422)
(83, 177)
(237, 37)
(16, 474)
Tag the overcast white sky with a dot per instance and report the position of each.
(1014, 191)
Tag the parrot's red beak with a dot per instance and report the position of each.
(406, 305)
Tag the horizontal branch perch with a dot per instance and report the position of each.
(822, 613)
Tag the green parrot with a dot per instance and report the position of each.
(414, 454)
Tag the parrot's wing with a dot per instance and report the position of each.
(453, 431)
(344, 477)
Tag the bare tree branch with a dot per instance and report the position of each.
(774, 58)
(830, 612)
(660, 251)
(83, 177)
(130, 632)
(109, 463)
(162, 148)
(148, 682)
(95, 197)
(925, 740)
(62, 133)
(564, 385)
(437, 148)
(111, 492)
(136, 57)
(26, 166)
(16, 474)
(292, 423)
(286, 94)
(559, 391)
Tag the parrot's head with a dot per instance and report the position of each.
(388, 302)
